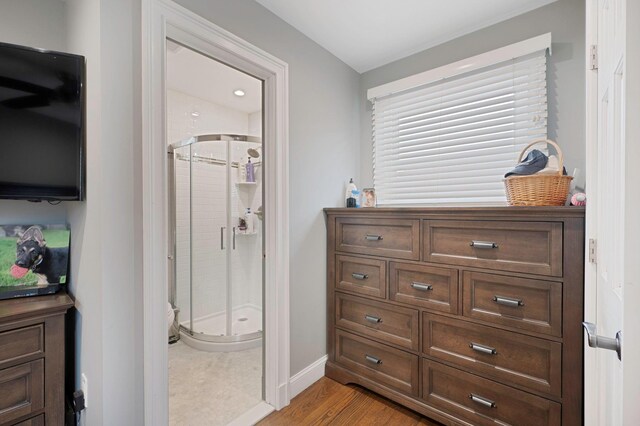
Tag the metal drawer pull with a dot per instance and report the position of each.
(373, 319)
(358, 276)
(482, 348)
(370, 237)
(483, 244)
(420, 286)
(484, 401)
(507, 301)
(373, 359)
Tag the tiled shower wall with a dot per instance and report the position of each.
(209, 213)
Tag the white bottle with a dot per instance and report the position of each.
(349, 192)
(248, 218)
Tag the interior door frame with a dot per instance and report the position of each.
(162, 19)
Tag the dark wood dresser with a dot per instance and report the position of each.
(470, 316)
(32, 360)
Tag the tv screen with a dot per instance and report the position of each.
(41, 124)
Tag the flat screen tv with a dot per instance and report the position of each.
(41, 124)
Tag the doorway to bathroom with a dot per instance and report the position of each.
(165, 22)
(215, 287)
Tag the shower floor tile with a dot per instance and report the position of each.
(212, 388)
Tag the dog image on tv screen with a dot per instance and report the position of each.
(33, 255)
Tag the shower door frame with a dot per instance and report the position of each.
(162, 19)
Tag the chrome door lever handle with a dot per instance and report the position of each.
(596, 341)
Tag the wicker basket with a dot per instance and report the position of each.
(538, 190)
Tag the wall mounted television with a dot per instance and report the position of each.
(42, 142)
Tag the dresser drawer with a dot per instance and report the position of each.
(424, 286)
(533, 305)
(362, 276)
(522, 360)
(393, 324)
(34, 421)
(484, 402)
(21, 390)
(388, 366)
(21, 343)
(530, 247)
(398, 238)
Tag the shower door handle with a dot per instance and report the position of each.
(222, 228)
(234, 237)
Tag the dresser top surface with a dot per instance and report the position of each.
(496, 211)
(16, 308)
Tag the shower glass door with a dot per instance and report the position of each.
(218, 238)
(202, 236)
(210, 237)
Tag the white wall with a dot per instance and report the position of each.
(213, 119)
(255, 124)
(324, 134)
(565, 19)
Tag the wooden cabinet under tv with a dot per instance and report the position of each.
(470, 316)
(32, 360)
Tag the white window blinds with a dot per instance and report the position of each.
(452, 141)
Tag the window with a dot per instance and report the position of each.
(450, 134)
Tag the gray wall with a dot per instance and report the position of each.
(329, 129)
(108, 276)
(324, 134)
(34, 23)
(565, 19)
(105, 229)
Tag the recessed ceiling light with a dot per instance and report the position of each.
(238, 92)
(195, 114)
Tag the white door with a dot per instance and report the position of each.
(610, 382)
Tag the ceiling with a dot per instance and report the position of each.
(197, 75)
(366, 34)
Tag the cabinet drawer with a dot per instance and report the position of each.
(484, 402)
(34, 421)
(21, 343)
(362, 276)
(424, 286)
(388, 366)
(393, 324)
(21, 390)
(533, 305)
(399, 238)
(520, 360)
(530, 247)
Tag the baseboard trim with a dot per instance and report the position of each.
(254, 415)
(308, 376)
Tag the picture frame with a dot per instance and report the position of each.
(368, 197)
(34, 255)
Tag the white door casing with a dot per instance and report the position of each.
(162, 19)
(611, 293)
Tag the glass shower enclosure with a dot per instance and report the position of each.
(216, 229)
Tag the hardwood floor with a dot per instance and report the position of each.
(327, 402)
